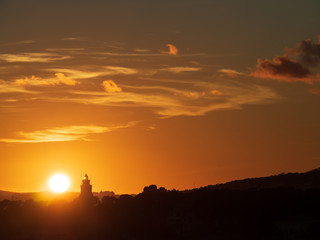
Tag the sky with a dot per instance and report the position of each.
(179, 93)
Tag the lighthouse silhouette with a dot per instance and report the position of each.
(86, 189)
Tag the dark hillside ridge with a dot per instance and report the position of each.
(301, 181)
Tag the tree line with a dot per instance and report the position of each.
(158, 213)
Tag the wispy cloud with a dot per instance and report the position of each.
(19, 43)
(139, 50)
(70, 38)
(216, 92)
(62, 134)
(8, 87)
(32, 57)
(130, 54)
(231, 73)
(95, 72)
(20, 85)
(76, 74)
(200, 98)
(37, 81)
(193, 94)
(10, 100)
(181, 69)
(150, 54)
(113, 70)
(171, 98)
(65, 49)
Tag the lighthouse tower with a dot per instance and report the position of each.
(86, 188)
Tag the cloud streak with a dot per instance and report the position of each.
(181, 69)
(37, 81)
(200, 98)
(231, 73)
(216, 92)
(19, 43)
(6, 87)
(32, 57)
(63, 134)
(21, 85)
(95, 72)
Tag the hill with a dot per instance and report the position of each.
(302, 181)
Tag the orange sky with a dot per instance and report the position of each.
(139, 93)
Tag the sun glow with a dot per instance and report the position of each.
(59, 183)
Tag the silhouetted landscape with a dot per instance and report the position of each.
(284, 206)
(178, 120)
(49, 196)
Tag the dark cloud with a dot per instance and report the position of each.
(307, 51)
(282, 68)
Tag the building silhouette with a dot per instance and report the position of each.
(86, 189)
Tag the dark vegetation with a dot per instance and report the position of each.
(284, 212)
(306, 180)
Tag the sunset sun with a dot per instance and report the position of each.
(59, 183)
